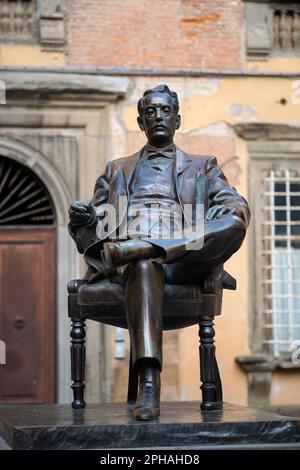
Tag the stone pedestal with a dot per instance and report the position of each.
(110, 426)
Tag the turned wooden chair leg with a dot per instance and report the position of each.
(132, 383)
(78, 362)
(207, 363)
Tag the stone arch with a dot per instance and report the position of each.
(66, 266)
(43, 168)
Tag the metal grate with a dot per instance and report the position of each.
(18, 20)
(23, 198)
(286, 29)
(281, 261)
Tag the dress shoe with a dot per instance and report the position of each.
(116, 254)
(147, 404)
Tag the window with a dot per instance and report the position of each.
(275, 205)
(23, 198)
(18, 20)
(32, 21)
(272, 28)
(286, 29)
(281, 260)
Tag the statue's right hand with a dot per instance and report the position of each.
(81, 213)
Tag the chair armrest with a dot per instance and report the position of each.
(218, 281)
(228, 282)
(211, 285)
(73, 286)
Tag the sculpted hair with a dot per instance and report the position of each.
(158, 89)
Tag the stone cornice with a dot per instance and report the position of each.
(46, 81)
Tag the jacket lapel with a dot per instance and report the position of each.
(129, 168)
(120, 183)
(183, 185)
(122, 190)
(183, 161)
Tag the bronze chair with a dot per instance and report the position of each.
(184, 305)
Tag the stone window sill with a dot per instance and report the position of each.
(263, 363)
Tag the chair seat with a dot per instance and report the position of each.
(183, 304)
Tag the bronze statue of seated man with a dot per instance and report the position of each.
(155, 195)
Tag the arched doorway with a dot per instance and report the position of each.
(27, 286)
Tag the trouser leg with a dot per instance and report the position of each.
(144, 290)
(193, 265)
(219, 240)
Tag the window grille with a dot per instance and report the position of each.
(23, 198)
(18, 20)
(272, 28)
(286, 29)
(280, 261)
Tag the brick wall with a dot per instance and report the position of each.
(199, 34)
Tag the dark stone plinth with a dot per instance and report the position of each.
(110, 426)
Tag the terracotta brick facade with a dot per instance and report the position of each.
(179, 34)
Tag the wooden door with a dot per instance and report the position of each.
(27, 315)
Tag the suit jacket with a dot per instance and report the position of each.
(198, 179)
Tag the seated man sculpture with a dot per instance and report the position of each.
(151, 195)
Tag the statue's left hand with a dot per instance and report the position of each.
(217, 211)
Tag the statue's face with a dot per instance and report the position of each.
(159, 120)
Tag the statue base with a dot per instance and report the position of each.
(110, 426)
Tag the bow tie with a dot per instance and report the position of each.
(167, 152)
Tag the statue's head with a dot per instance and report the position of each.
(158, 115)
